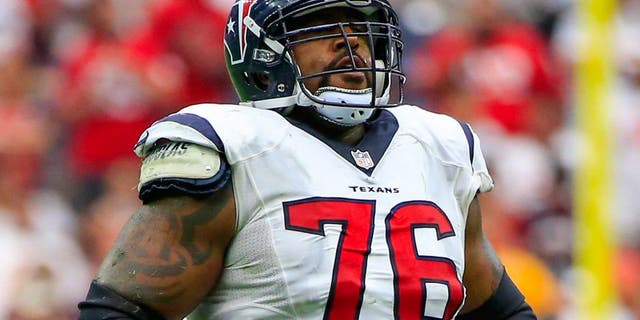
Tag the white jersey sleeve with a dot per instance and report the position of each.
(182, 154)
(237, 133)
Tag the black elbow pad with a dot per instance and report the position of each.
(506, 303)
(103, 303)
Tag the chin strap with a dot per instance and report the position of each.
(348, 116)
(341, 115)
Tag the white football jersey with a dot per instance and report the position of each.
(330, 231)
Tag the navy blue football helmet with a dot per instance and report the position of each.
(259, 43)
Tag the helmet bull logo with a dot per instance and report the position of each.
(235, 40)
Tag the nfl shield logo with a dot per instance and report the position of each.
(363, 159)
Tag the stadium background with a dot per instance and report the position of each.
(80, 79)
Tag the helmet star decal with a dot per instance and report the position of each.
(231, 26)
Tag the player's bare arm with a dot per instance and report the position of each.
(487, 288)
(483, 268)
(171, 252)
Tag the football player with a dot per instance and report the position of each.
(321, 197)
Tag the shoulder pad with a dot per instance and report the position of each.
(448, 139)
(182, 168)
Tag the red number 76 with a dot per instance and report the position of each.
(411, 271)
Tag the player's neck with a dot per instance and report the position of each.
(349, 135)
(353, 135)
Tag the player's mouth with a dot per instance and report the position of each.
(349, 63)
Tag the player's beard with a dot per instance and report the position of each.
(325, 80)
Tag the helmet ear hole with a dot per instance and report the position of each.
(260, 79)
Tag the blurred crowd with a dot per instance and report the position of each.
(81, 79)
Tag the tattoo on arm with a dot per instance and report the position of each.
(163, 247)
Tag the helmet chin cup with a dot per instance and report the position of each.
(344, 115)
